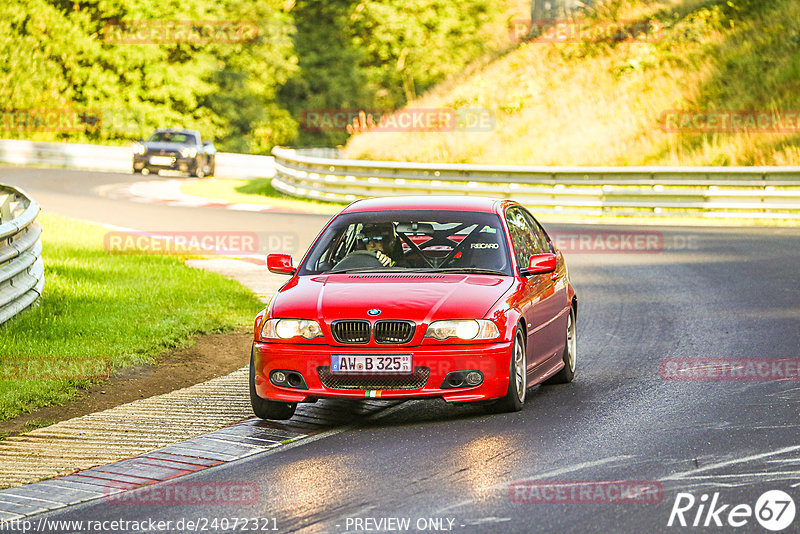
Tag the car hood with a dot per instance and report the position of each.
(421, 298)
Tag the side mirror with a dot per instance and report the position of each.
(280, 264)
(541, 264)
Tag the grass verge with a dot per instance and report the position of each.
(121, 309)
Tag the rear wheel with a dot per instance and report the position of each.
(517, 378)
(267, 409)
(566, 374)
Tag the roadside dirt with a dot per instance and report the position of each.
(210, 356)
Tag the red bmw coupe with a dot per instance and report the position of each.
(466, 299)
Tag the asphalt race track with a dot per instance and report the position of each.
(74, 193)
(722, 293)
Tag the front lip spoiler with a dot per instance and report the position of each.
(469, 394)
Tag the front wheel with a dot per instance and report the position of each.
(517, 378)
(267, 409)
(566, 374)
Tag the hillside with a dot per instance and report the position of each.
(604, 101)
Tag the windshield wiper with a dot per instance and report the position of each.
(466, 270)
(356, 270)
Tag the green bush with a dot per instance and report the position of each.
(246, 95)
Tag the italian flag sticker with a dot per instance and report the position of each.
(372, 394)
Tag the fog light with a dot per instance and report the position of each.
(454, 380)
(287, 378)
(294, 380)
(462, 379)
(474, 378)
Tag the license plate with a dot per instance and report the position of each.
(380, 364)
(161, 160)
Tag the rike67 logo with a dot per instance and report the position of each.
(774, 510)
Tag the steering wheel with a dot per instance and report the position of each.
(358, 259)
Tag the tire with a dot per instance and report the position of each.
(517, 378)
(267, 409)
(565, 375)
(198, 172)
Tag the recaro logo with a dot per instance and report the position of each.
(774, 510)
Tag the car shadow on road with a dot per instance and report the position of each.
(434, 411)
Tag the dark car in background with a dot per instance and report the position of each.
(177, 150)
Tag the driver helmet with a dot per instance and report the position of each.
(382, 233)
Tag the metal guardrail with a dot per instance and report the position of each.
(21, 265)
(720, 192)
(118, 158)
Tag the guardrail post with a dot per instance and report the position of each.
(5, 209)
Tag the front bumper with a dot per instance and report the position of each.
(141, 161)
(493, 360)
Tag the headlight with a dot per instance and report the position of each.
(138, 148)
(463, 329)
(188, 152)
(289, 328)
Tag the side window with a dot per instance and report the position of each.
(538, 232)
(522, 237)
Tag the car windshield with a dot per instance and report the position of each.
(173, 137)
(413, 240)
